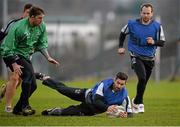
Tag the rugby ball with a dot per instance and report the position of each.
(116, 113)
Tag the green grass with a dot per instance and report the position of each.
(162, 105)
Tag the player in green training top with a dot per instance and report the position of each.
(24, 38)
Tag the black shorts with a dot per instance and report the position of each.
(21, 61)
(27, 66)
(8, 64)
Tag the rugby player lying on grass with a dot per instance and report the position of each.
(105, 96)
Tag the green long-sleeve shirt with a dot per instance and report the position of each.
(24, 39)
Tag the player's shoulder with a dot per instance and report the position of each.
(133, 22)
(107, 82)
(12, 22)
(124, 89)
(20, 22)
(156, 22)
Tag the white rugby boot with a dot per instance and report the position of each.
(135, 107)
(141, 108)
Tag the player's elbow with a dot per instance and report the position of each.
(160, 43)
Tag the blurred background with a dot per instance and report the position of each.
(83, 36)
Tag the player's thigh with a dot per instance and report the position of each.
(14, 76)
(27, 70)
(139, 68)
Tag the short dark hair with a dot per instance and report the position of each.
(27, 6)
(147, 5)
(34, 11)
(122, 76)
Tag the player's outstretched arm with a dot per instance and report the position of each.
(45, 53)
(53, 61)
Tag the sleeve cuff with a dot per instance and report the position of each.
(12, 59)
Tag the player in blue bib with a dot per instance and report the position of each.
(104, 96)
(145, 34)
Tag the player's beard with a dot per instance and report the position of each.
(146, 20)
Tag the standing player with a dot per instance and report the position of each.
(24, 38)
(145, 34)
(8, 89)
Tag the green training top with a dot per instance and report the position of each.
(24, 39)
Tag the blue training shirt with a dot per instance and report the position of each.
(110, 97)
(138, 33)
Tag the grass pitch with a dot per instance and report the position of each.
(162, 107)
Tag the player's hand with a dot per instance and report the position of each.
(53, 61)
(150, 40)
(17, 68)
(121, 51)
(123, 114)
(112, 108)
